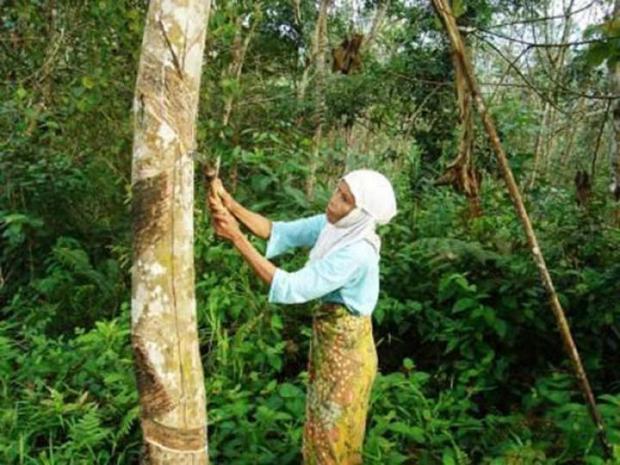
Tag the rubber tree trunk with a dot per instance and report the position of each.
(163, 308)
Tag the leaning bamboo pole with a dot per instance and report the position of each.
(445, 14)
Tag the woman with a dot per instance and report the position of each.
(343, 271)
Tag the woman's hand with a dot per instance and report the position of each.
(224, 223)
(256, 223)
(223, 194)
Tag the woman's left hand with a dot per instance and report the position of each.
(224, 224)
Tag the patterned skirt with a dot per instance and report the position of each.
(342, 367)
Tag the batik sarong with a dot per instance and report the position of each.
(342, 367)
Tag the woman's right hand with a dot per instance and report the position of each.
(222, 193)
(224, 223)
(218, 198)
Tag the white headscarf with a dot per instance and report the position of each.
(375, 203)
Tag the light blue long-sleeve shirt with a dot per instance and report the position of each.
(348, 276)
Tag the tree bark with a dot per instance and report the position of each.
(599, 138)
(543, 149)
(377, 23)
(319, 45)
(444, 12)
(239, 50)
(367, 43)
(614, 78)
(163, 308)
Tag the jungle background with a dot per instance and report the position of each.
(472, 369)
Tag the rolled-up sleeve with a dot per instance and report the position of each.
(316, 279)
(290, 234)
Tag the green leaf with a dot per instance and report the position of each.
(296, 195)
(276, 321)
(597, 54)
(21, 93)
(501, 328)
(448, 457)
(88, 82)
(464, 304)
(288, 390)
(412, 432)
(458, 8)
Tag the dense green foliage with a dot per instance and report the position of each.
(472, 370)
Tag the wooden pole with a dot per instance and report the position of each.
(445, 14)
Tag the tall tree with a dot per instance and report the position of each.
(239, 50)
(319, 46)
(542, 147)
(164, 331)
(614, 78)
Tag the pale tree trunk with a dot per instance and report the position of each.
(311, 64)
(539, 144)
(377, 23)
(48, 82)
(239, 50)
(599, 138)
(375, 30)
(319, 44)
(303, 84)
(567, 154)
(544, 148)
(163, 307)
(447, 18)
(297, 11)
(614, 81)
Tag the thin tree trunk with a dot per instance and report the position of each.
(599, 138)
(565, 159)
(163, 308)
(614, 78)
(297, 11)
(48, 82)
(349, 126)
(303, 84)
(377, 23)
(540, 142)
(543, 151)
(311, 63)
(445, 14)
(318, 52)
(240, 48)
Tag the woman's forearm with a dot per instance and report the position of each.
(258, 224)
(263, 267)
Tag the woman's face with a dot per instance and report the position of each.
(340, 204)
